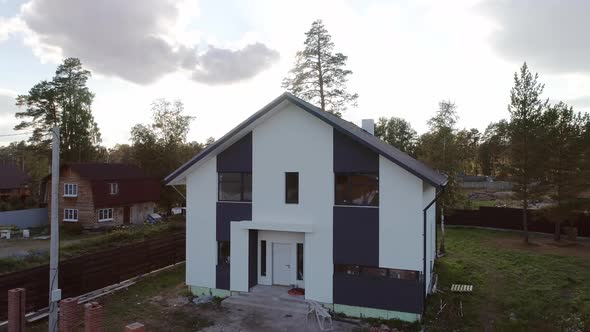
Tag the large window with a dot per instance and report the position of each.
(299, 261)
(376, 272)
(357, 189)
(105, 215)
(263, 258)
(235, 187)
(222, 252)
(292, 188)
(71, 215)
(70, 190)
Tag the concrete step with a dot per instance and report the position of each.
(266, 303)
(283, 297)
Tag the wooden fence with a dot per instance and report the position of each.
(511, 218)
(90, 272)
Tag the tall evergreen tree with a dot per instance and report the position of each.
(563, 129)
(64, 101)
(319, 75)
(397, 132)
(526, 107)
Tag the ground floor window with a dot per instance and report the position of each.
(222, 252)
(376, 272)
(105, 214)
(263, 258)
(299, 261)
(71, 215)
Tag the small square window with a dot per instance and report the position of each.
(71, 215)
(105, 215)
(292, 188)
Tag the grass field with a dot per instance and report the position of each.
(517, 287)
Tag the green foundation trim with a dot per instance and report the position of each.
(363, 312)
(206, 291)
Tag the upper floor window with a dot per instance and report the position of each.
(114, 188)
(292, 188)
(357, 189)
(235, 187)
(70, 189)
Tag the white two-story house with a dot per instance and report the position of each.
(297, 196)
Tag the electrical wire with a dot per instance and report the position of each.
(16, 134)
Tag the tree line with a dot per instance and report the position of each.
(65, 101)
(543, 148)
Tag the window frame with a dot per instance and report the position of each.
(71, 186)
(296, 200)
(263, 258)
(300, 255)
(112, 215)
(349, 186)
(114, 185)
(75, 211)
(219, 245)
(242, 186)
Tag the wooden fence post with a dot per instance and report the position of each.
(16, 310)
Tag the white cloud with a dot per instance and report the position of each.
(140, 41)
(551, 34)
(7, 119)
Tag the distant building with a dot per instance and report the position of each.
(14, 182)
(96, 194)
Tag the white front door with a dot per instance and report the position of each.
(281, 264)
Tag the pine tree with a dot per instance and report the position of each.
(319, 75)
(525, 109)
(65, 101)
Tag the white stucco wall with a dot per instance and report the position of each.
(428, 193)
(238, 268)
(400, 218)
(293, 140)
(201, 246)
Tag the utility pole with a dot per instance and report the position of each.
(54, 291)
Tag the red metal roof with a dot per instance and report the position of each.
(134, 185)
(12, 177)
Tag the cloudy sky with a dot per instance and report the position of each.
(225, 60)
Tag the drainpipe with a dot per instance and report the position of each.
(424, 211)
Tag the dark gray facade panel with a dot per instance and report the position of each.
(356, 235)
(236, 158)
(228, 212)
(353, 157)
(222, 276)
(252, 258)
(388, 294)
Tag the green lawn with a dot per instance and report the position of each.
(516, 287)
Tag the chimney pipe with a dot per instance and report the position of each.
(368, 125)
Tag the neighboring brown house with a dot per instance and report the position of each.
(14, 183)
(96, 194)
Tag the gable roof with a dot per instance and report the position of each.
(12, 177)
(134, 185)
(398, 157)
(104, 171)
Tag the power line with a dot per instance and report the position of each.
(16, 134)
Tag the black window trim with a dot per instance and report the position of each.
(287, 189)
(348, 186)
(242, 200)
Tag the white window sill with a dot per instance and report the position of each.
(70, 220)
(106, 220)
(70, 195)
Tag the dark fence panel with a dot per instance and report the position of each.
(90, 272)
(511, 218)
